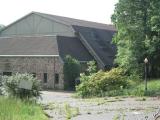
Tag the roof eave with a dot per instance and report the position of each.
(29, 55)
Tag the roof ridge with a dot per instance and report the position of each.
(64, 20)
(42, 15)
(72, 18)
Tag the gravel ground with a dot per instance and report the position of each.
(108, 108)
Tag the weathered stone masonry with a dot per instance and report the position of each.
(38, 65)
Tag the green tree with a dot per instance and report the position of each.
(137, 22)
(153, 44)
(71, 71)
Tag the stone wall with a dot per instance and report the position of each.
(38, 65)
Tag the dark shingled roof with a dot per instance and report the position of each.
(101, 42)
(34, 45)
(73, 46)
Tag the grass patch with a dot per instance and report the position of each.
(94, 101)
(153, 89)
(62, 109)
(141, 99)
(14, 109)
(71, 111)
(138, 90)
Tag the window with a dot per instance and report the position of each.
(45, 77)
(7, 73)
(34, 74)
(56, 78)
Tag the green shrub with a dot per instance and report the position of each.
(84, 77)
(71, 71)
(113, 93)
(11, 86)
(102, 82)
(92, 67)
(113, 80)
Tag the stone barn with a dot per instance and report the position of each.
(38, 43)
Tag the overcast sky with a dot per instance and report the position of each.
(92, 10)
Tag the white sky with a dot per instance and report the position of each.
(92, 10)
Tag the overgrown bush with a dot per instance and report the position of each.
(71, 71)
(102, 82)
(11, 86)
(92, 67)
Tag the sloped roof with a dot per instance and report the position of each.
(43, 46)
(100, 40)
(30, 45)
(77, 22)
(73, 46)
